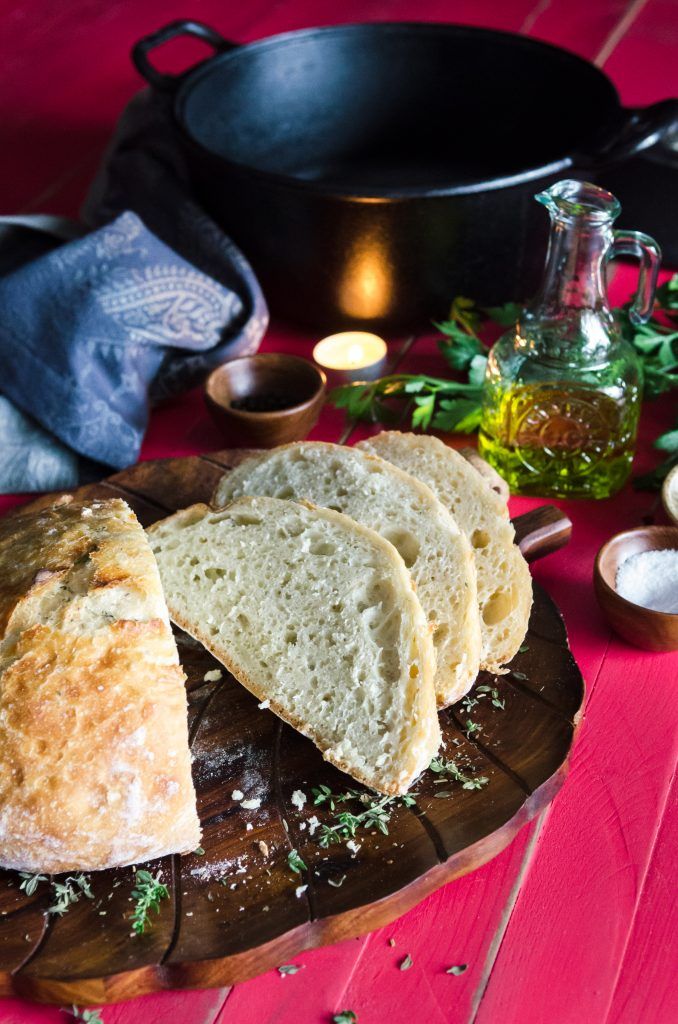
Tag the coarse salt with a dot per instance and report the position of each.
(298, 799)
(214, 676)
(650, 579)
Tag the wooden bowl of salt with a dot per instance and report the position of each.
(636, 582)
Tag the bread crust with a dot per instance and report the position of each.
(424, 738)
(503, 637)
(94, 759)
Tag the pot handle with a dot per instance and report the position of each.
(196, 29)
(643, 127)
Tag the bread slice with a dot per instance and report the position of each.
(504, 581)
(315, 615)
(95, 770)
(402, 510)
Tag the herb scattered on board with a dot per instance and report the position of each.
(286, 969)
(493, 693)
(88, 1016)
(345, 1017)
(30, 882)
(450, 770)
(147, 893)
(454, 405)
(456, 969)
(295, 862)
(376, 813)
(406, 963)
(68, 892)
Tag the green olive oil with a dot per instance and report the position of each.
(569, 443)
(562, 390)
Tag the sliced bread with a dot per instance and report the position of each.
(316, 615)
(504, 582)
(405, 512)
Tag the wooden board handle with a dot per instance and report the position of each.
(542, 531)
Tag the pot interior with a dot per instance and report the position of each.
(389, 107)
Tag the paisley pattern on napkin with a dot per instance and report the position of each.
(167, 305)
(95, 327)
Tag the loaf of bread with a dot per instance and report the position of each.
(405, 512)
(95, 768)
(315, 615)
(504, 581)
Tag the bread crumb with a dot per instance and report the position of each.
(251, 805)
(298, 799)
(263, 847)
(313, 824)
(352, 846)
(214, 676)
(300, 890)
(237, 794)
(264, 704)
(249, 826)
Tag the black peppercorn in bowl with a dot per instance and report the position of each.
(265, 400)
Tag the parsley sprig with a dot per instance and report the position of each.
(376, 813)
(147, 893)
(454, 405)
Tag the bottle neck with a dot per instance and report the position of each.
(574, 277)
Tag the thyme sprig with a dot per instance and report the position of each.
(375, 815)
(450, 769)
(87, 1016)
(68, 892)
(147, 893)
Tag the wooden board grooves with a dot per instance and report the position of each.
(492, 757)
(517, 684)
(234, 912)
(176, 900)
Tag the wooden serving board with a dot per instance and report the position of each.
(236, 910)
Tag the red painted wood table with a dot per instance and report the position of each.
(575, 922)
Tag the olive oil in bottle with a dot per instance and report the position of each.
(562, 393)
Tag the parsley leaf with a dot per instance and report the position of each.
(345, 1017)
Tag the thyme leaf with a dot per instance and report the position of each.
(30, 882)
(295, 862)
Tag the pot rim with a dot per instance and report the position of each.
(386, 194)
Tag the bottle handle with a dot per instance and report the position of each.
(646, 250)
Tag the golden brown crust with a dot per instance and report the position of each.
(94, 760)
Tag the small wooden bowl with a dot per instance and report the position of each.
(265, 379)
(654, 631)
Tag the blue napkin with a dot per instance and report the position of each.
(95, 328)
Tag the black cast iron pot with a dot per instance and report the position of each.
(372, 172)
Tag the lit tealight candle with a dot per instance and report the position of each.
(352, 355)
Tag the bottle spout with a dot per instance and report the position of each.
(582, 199)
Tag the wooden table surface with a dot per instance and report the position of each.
(575, 922)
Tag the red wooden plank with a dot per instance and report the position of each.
(454, 925)
(568, 933)
(646, 988)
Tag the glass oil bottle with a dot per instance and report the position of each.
(562, 393)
